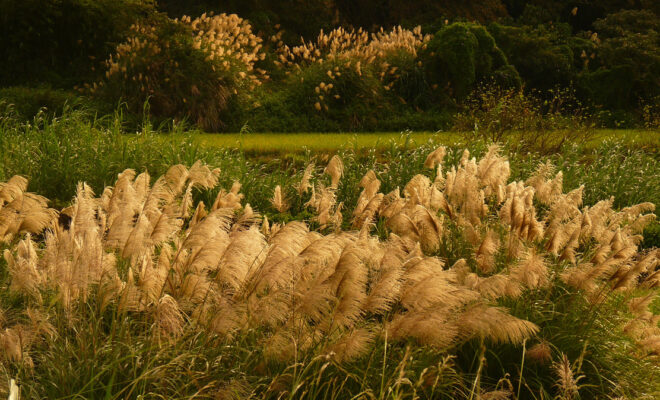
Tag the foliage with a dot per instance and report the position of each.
(62, 42)
(223, 72)
(28, 102)
(539, 55)
(626, 22)
(524, 120)
(154, 295)
(580, 14)
(186, 69)
(349, 80)
(626, 68)
(55, 153)
(461, 55)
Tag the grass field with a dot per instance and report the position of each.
(299, 142)
(134, 325)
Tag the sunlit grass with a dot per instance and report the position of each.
(299, 142)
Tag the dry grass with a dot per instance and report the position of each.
(145, 249)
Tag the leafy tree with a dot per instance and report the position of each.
(297, 17)
(626, 22)
(580, 14)
(626, 68)
(539, 55)
(463, 54)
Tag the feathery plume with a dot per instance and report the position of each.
(335, 169)
(278, 201)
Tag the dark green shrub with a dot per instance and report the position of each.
(626, 66)
(331, 95)
(462, 55)
(626, 22)
(651, 113)
(28, 102)
(540, 58)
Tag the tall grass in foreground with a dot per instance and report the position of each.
(56, 153)
(458, 284)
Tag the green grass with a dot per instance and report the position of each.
(300, 142)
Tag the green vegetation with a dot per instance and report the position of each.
(311, 199)
(100, 340)
(335, 72)
(56, 154)
(281, 144)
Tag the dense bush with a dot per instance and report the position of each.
(626, 68)
(62, 41)
(539, 55)
(191, 69)
(580, 14)
(461, 55)
(346, 80)
(28, 102)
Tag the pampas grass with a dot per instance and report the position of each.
(319, 299)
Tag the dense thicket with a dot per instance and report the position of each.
(314, 65)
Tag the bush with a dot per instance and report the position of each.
(524, 120)
(62, 42)
(345, 80)
(540, 57)
(461, 55)
(28, 102)
(627, 61)
(194, 69)
(651, 113)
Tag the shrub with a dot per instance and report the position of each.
(525, 120)
(346, 79)
(461, 55)
(28, 102)
(187, 69)
(627, 61)
(542, 59)
(651, 113)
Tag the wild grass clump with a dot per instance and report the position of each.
(460, 284)
(53, 152)
(526, 120)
